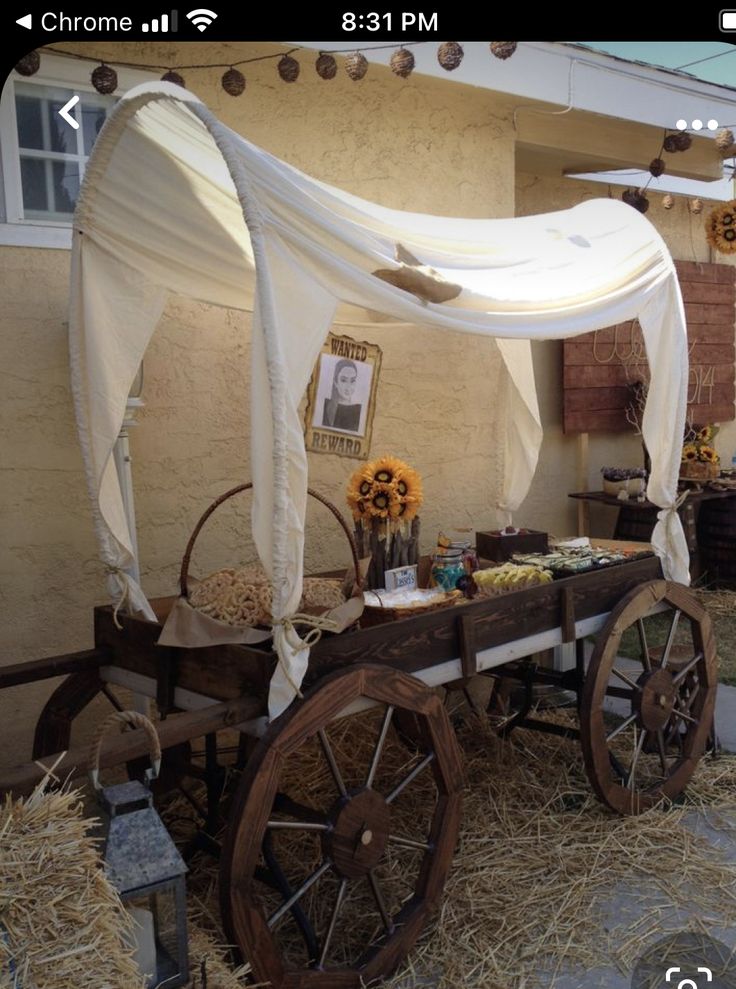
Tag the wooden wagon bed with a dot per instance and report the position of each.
(634, 759)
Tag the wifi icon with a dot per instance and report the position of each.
(201, 18)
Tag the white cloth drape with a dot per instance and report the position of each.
(173, 201)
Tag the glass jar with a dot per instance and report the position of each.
(447, 568)
(469, 555)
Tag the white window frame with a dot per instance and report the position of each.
(68, 73)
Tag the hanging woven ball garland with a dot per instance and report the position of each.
(724, 139)
(356, 65)
(450, 55)
(29, 64)
(670, 144)
(326, 66)
(402, 63)
(233, 82)
(105, 79)
(683, 141)
(656, 167)
(637, 199)
(172, 76)
(720, 227)
(503, 49)
(288, 68)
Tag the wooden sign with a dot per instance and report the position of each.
(341, 398)
(600, 368)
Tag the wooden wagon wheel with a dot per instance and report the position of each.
(66, 703)
(316, 840)
(649, 697)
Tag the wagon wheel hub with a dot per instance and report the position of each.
(656, 700)
(358, 835)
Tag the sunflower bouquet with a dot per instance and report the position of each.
(700, 460)
(385, 496)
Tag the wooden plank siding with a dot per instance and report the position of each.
(599, 367)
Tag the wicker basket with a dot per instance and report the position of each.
(380, 614)
(699, 470)
(184, 573)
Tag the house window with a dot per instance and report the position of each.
(43, 157)
(52, 155)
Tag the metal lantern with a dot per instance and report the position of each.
(144, 865)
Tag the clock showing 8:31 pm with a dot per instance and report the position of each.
(388, 21)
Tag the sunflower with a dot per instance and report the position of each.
(690, 452)
(705, 435)
(409, 484)
(708, 454)
(359, 490)
(381, 499)
(385, 469)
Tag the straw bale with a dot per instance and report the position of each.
(61, 922)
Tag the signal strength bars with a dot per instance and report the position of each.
(166, 24)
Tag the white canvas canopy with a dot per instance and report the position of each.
(175, 202)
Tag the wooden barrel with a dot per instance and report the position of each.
(717, 540)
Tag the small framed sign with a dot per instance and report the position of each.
(401, 578)
(341, 398)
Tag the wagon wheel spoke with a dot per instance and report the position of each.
(670, 638)
(297, 825)
(679, 713)
(379, 745)
(400, 787)
(617, 767)
(626, 679)
(306, 885)
(631, 776)
(686, 669)
(622, 727)
(662, 751)
(333, 922)
(692, 694)
(380, 902)
(396, 839)
(643, 645)
(331, 762)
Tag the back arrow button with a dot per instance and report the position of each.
(64, 112)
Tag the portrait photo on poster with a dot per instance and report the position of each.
(341, 398)
(343, 393)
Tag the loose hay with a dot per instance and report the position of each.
(61, 922)
(210, 966)
(537, 860)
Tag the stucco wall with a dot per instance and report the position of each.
(684, 236)
(417, 144)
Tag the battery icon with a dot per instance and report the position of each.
(167, 23)
(728, 20)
